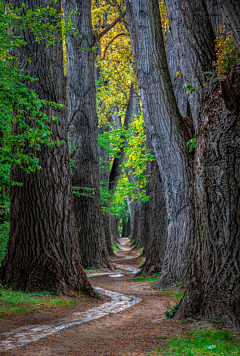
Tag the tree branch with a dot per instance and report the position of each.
(109, 44)
(109, 27)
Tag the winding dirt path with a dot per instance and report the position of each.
(129, 324)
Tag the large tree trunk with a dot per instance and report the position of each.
(193, 39)
(82, 118)
(231, 13)
(214, 286)
(158, 224)
(43, 250)
(168, 131)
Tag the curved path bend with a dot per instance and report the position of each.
(119, 302)
(127, 325)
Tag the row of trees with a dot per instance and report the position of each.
(194, 181)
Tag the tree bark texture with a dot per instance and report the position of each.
(177, 81)
(114, 228)
(168, 131)
(231, 13)
(215, 16)
(83, 122)
(214, 286)
(193, 39)
(43, 250)
(158, 224)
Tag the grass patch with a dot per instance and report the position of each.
(173, 294)
(22, 303)
(115, 247)
(202, 343)
(145, 279)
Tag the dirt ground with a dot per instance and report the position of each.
(134, 331)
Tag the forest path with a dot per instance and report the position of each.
(128, 325)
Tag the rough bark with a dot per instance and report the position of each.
(83, 122)
(128, 233)
(231, 13)
(215, 15)
(193, 39)
(177, 81)
(158, 224)
(214, 286)
(43, 250)
(131, 209)
(168, 131)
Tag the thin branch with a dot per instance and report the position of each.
(109, 27)
(109, 44)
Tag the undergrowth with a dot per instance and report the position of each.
(201, 342)
(147, 279)
(115, 247)
(21, 302)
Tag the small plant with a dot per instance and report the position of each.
(192, 144)
(171, 311)
(226, 53)
(190, 88)
(90, 268)
(179, 284)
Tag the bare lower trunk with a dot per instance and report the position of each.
(43, 251)
(158, 224)
(168, 132)
(214, 286)
(231, 13)
(83, 123)
(193, 38)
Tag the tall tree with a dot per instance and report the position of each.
(42, 250)
(82, 117)
(168, 131)
(214, 284)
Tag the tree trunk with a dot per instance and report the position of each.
(43, 251)
(83, 122)
(114, 229)
(168, 131)
(104, 179)
(158, 224)
(131, 209)
(193, 39)
(137, 226)
(177, 81)
(231, 13)
(214, 286)
(215, 15)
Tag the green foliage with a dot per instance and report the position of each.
(142, 279)
(190, 88)
(171, 311)
(21, 302)
(115, 247)
(202, 342)
(192, 144)
(4, 235)
(226, 53)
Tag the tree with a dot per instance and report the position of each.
(83, 124)
(168, 131)
(214, 284)
(215, 243)
(42, 250)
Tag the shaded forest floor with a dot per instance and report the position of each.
(137, 331)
